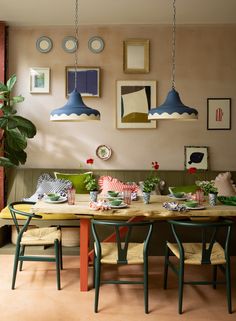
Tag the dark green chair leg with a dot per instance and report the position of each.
(94, 271)
(57, 258)
(60, 251)
(22, 252)
(145, 284)
(166, 265)
(214, 278)
(16, 260)
(181, 285)
(228, 286)
(97, 284)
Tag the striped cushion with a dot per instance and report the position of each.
(108, 183)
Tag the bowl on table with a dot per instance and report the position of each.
(113, 193)
(191, 204)
(116, 202)
(53, 196)
(178, 194)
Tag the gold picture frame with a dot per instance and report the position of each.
(136, 56)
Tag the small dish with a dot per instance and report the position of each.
(44, 44)
(200, 207)
(122, 205)
(178, 198)
(53, 196)
(191, 204)
(96, 44)
(69, 44)
(62, 199)
(116, 202)
(113, 193)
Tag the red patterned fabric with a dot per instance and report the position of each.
(108, 183)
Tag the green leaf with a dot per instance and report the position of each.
(3, 87)
(15, 139)
(5, 162)
(3, 122)
(15, 157)
(2, 97)
(18, 99)
(12, 123)
(25, 126)
(11, 82)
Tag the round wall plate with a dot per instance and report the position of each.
(70, 44)
(96, 44)
(103, 152)
(44, 44)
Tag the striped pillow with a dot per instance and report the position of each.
(108, 183)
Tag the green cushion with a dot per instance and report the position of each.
(77, 180)
(184, 189)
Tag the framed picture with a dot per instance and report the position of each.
(136, 56)
(39, 80)
(219, 113)
(134, 100)
(196, 156)
(88, 81)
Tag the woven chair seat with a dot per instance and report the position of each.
(110, 254)
(41, 236)
(193, 253)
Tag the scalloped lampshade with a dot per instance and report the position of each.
(74, 110)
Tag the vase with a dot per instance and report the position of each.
(212, 199)
(93, 196)
(146, 197)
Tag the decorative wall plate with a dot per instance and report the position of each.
(96, 44)
(103, 152)
(69, 44)
(44, 44)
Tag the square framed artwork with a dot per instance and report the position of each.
(219, 113)
(196, 156)
(88, 81)
(134, 100)
(136, 56)
(39, 80)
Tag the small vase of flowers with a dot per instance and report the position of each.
(149, 184)
(93, 187)
(209, 189)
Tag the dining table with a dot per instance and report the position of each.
(137, 210)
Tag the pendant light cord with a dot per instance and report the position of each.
(173, 44)
(77, 38)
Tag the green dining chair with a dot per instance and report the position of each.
(207, 251)
(44, 236)
(121, 252)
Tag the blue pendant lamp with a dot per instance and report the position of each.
(173, 108)
(75, 109)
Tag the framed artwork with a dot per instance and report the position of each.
(134, 100)
(219, 113)
(196, 156)
(39, 80)
(136, 56)
(88, 81)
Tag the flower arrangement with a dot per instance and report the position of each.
(208, 187)
(150, 182)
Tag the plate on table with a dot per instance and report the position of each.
(111, 198)
(195, 208)
(122, 205)
(177, 198)
(62, 199)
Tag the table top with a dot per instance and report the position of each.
(154, 210)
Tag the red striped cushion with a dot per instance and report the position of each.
(108, 183)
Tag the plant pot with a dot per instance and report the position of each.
(212, 199)
(146, 197)
(93, 196)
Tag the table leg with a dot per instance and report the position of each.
(84, 250)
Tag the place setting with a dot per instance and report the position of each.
(54, 198)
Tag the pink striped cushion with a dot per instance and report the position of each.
(108, 183)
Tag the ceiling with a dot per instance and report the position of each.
(104, 12)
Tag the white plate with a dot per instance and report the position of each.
(61, 200)
(123, 205)
(196, 208)
(177, 198)
(114, 197)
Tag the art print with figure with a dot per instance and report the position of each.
(196, 156)
(219, 113)
(134, 100)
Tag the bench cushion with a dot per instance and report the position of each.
(5, 213)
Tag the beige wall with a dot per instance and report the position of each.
(205, 67)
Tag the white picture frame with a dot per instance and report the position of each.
(196, 156)
(39, 80)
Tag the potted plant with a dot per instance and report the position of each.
(92, 186)
(149, 185)
(14, 129)
(209, 189)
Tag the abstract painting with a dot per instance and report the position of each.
(196, 156)
(219, 113)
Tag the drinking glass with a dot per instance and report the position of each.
(127, 195)
(71, 196)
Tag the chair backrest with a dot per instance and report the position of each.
(18, 222)
(209, 232)
(122, 232)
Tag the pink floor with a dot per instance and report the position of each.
(36, 298)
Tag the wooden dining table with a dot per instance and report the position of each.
(137, 210)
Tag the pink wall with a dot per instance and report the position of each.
(205, 67)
